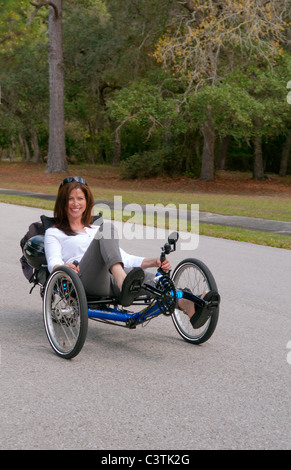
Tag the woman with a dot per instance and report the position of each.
(93, 251)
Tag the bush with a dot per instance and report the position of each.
(145, 165)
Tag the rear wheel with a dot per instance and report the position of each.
(194, 275)
(65, 312)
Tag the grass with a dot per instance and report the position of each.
(265, 207)
(27, 201)
(230, 233)
(248, 236)
(105, 184)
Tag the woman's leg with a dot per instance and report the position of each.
(101, 258)
(119, 274)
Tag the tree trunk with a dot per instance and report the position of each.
(207, 169)
(258, 171)
(57, 151)
(223, 152)
(35, 146)
(117, 150)
(285, 155)
(25, 145)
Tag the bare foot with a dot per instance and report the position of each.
(188, 306)
(118, 273)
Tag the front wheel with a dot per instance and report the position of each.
(65, 312)
(194, 275)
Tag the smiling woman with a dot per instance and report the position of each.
(92, 251)
(76, 207)
(73, 204)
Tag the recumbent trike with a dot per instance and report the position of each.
(66, 307)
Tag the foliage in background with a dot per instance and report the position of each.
(156, 86)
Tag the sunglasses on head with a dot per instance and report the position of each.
(69, 179)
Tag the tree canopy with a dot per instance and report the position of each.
(165, 85)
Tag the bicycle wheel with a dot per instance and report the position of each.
(193, 274)
(65, 312)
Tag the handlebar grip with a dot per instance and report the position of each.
(162, 257)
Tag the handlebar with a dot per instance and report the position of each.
(168, 248)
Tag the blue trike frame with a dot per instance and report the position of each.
(114, 314)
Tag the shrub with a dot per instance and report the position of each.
(146, 165)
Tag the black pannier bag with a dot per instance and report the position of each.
(36, 229)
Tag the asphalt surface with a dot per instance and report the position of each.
(147, 389)
(264, 225)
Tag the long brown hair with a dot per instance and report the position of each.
(61, 205)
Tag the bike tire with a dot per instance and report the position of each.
(65, 312)
(193, 274)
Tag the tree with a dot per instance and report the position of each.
(219, 111)
(208, 39)
(57, 162)
(270, 112)
(105, 51)
(91, 52)
(16, 28)
(285, 155)
(23, 96)
(217, 35)
(141, 104)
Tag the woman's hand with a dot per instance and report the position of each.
(156, 263)
(165, 265)
(70, 265)
(73, 267)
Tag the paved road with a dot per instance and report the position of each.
(147, 388)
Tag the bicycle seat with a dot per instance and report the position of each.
(48, 222)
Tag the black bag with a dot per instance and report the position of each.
(34, 229)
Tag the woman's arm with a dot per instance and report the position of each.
(132, 261)
(53, 250)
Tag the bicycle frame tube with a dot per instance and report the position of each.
(115, 315)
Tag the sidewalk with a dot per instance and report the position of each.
(263, 225)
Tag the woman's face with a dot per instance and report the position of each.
(76, 205)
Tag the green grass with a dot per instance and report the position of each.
(32, 177)
(248, 236)
(265, 207)
(27, 201)
(231, 233)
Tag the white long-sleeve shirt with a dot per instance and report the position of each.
(61, 248)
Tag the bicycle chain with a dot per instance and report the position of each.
(167, 288)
